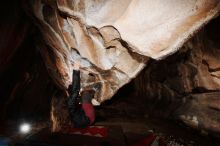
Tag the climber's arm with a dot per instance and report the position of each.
(74, 90)
(75, 84)
(74, 93)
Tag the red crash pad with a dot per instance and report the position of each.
(98, 131)
(150, 140)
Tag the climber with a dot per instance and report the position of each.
(84, 115)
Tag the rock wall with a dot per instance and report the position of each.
(25, 86)
(113, 38)
(186, 85)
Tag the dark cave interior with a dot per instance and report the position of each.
(151, 101)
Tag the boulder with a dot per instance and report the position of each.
(113, 39)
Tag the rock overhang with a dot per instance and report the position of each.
(114, 38)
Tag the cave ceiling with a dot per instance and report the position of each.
(114, 39)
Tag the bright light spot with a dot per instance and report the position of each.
(25, 128)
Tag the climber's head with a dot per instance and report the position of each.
(87, 95)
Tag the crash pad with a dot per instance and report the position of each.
(46, 138)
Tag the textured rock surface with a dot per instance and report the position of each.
(113, 38)
(25, 86)
(186, 85)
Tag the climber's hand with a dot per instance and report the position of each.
(76, 65)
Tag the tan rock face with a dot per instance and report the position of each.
(186, 85)
(113, 38)
(102, 51)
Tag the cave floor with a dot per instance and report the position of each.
(132, 129)
(174, 135)
(136, 124)
(129, 131)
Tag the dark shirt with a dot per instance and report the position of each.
(83, 116)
